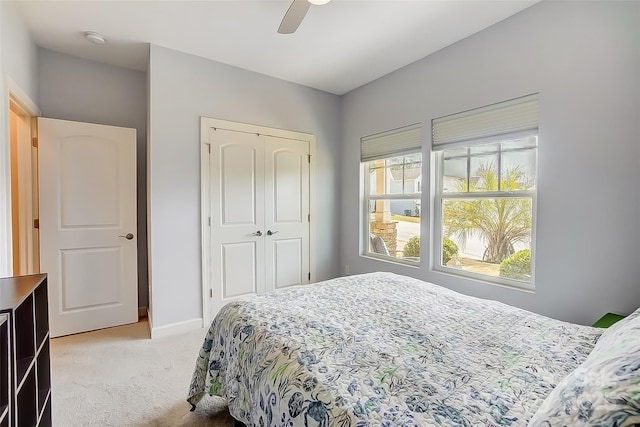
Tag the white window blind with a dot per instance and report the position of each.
(404, 140)
(507, 118)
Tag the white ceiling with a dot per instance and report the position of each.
(339, 46)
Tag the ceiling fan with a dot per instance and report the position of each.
(296, 13)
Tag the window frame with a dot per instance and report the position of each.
(439, 196)
(368, 198)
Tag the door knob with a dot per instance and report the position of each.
(271, 233)
(257, 233)
(129, 236)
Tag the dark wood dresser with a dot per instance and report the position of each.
(24, 301)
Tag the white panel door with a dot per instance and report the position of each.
(286, 212)
(87, 180)
(258, 202)
(237, 216)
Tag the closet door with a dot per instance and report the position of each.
(237, 216)
(258, 204)
(286, 212)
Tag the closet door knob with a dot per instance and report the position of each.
(271, 233)
(257, 233)
(129, 236)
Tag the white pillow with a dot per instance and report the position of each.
(605, 389)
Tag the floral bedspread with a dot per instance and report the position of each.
(381, 349)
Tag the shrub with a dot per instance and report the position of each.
(517, 266)
(412, 247)
(449, 249)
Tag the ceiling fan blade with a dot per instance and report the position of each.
(294, 16)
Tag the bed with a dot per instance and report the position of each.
(381, 349)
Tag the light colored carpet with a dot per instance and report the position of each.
(119, 377)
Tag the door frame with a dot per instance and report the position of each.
(207, 123)
(12, 94)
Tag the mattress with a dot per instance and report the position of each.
(382, 349)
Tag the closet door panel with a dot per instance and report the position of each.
(237, 216)
(286, 212)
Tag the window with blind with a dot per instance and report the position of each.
(392, 164)
(484, 205)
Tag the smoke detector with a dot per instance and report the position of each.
(95, 38)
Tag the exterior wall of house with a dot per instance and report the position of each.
(18, 65)
(94, 92)
(182, 89)
(583, 60)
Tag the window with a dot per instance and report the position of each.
(484, 205)
(392, 165)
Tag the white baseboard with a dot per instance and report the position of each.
(175, 328)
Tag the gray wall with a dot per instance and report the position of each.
(81, 90)
(18, 62)
(19, 54)
(182, 89)
(584, 60)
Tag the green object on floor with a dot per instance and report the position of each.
(607, 320)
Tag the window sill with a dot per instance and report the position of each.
(391, 260)
(484, 279)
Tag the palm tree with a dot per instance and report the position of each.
(501, 222)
